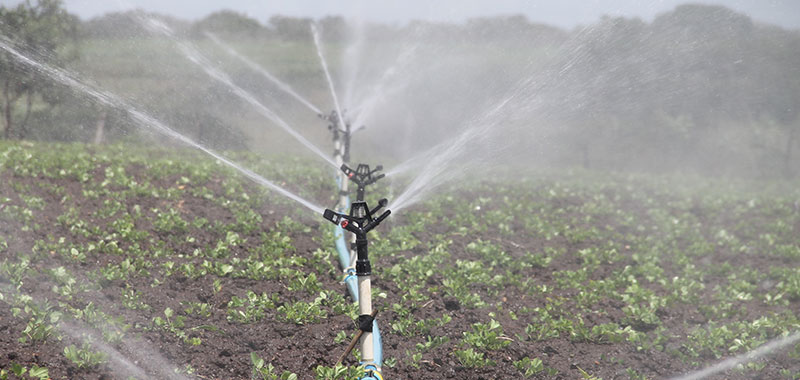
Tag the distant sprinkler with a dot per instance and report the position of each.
(341, 131)
(362, 177)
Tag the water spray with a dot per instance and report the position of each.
(209, 68)
(324, 64)
(266, 74)
(727, 364)
(359, 222)
(142, 119)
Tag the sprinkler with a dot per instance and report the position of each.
(341, 134)
(359, 222)
(341, 151)
(362, 177)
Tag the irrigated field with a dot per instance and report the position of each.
(119, 262)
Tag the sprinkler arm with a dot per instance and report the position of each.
(359, 222)
(376, 222)
(354, 224)
(333, 119)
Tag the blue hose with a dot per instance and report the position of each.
(377, 343)
(371, 373)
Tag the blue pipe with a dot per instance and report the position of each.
(344, 262)
(377, 343)
(371, 373)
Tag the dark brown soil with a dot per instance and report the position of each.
(148, 351)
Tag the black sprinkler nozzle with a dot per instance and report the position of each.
(381, 204)
(332, 216)
(377, 221)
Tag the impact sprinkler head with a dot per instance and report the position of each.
(362, 177)
(335, 122)
(341, 131)
(360, 220)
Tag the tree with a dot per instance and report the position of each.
(776, 95)
(705, 57)
(290, 28)
(333, 28)
(41, 27)
(128, 25)
(602, 82)
(228, 22)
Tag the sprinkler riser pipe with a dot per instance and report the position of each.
(346, 152)
(360, 222)
(365, 308)
(363, 266)
(343, 199)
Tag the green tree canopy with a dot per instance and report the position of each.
(228, 22)
(41, 28)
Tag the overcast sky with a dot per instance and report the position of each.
(564, 13)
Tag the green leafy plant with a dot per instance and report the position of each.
(41, 323)
(337, 372)
(486, 336)
(265, 371)
(528, 366)
(18, 371)
(472, 359)
(84, 357)
(301, 312)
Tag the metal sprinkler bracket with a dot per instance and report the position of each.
(362, 177)
(360, 221)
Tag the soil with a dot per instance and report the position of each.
(226, 348)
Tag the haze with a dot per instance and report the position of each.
(567, 14)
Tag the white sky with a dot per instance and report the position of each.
(564, 13)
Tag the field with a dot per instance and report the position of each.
(122, 262)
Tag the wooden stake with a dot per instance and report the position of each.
(354, 341)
